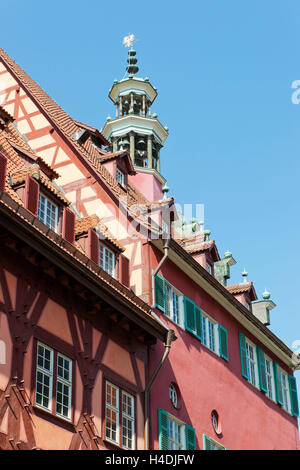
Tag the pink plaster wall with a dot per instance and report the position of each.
(206, 382)
(148, 185)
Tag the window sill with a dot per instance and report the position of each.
(114, 446)
(44, 414)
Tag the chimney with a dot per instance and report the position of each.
(222, 268)
(261, 308)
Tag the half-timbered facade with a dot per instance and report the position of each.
(94, 280)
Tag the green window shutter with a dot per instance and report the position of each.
(198, 323)
(278, 386)
(189, 313)
(294, 396)
(206, 443)
(190, 435)
(160, 292)
(223, 342)
(261, 363)
(162, 429)
(243, 353)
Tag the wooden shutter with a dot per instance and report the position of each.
(278, 386)
(198, 320)
(206, 443)
(68, 231)
(189, 314)
(162, 429)
(223, 343)
(243, 353)
(93, 246)
(3, 170)
(294, 396)
(190, 435)
(124, 273)
(261, 363)
(32, 195)
(160, 294)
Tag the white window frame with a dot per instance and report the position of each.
(270, 393)
(116, 409)
(50, 374)
(120, 414)
(253, 377)
(45, 372)
(120, 177)
(181, 427)
(169, 310)
(48, 202)
(285, 390)
(67, 383)
(104, 265)
(129, 418)
(210, 334)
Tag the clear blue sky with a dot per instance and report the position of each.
(223, 70)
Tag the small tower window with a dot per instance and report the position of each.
(120, 177)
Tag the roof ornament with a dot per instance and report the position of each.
(245, 274)
(132, 68)
(165, 190)
(266, 295)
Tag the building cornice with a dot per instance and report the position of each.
(217, 291)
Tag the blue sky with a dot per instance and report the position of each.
(223, 70)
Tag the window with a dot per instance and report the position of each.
(48, 212)
(173, 395)
(270, 378)
(53, 390)
(107, 259)
(174, 434)
(173, 304)
(209, 333)
(285, 390)
(211, 444)
(119, 417)
(209, 268)
(252, 363)
(120, 177)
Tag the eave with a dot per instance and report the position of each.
(16, 220)
(186, 263)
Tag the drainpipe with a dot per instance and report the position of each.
(170, 337)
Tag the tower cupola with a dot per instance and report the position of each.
(135, 128)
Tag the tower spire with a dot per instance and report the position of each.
(132, 68)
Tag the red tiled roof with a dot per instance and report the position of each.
(66, 125)
(93, 221)
(243, 288)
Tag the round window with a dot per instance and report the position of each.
(215, 421)
(173, 395)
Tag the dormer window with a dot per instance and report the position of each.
(48, 212)
(107, 259)
(209, 268)
(120, 177)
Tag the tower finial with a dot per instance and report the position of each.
(132, 68)
(245, 274)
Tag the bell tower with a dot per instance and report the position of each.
(135, 128)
